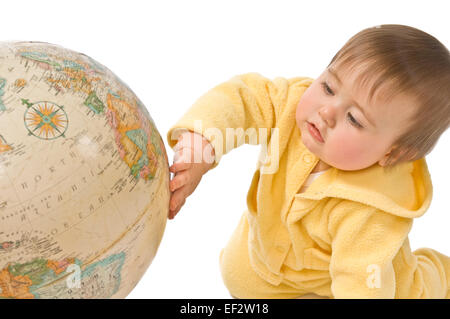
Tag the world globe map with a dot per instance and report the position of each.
(84, 178)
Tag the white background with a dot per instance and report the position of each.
(171, 52)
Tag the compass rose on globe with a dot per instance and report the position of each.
(45, 120)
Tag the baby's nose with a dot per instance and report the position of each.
(328, 116)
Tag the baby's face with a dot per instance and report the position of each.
(351, 137)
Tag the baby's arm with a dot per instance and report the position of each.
(364, 243)
(371, 257)
(241, 110)
(249, 103)
(244, 101)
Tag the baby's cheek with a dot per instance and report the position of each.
(302, 108)
(348, 154)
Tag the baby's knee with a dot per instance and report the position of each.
(231, 269)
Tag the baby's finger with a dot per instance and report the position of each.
(173, 213)
(176, 199)
(178, 181)
(179, 166)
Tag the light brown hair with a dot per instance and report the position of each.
(403, 59)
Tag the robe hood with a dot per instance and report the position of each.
(404, 190)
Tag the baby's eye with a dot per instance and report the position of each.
(353, 121)
(327, 88)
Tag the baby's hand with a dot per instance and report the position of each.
(188, 173)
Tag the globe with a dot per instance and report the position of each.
(84, 177)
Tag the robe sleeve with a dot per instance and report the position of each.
(240, 110)
(365, 240)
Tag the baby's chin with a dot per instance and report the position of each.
(347, 165)
(340, 162)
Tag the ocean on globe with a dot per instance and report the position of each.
(84, 177)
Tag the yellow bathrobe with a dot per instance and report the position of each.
(345, 237)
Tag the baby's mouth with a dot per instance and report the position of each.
(315, 133)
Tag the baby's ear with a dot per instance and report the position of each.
(386, 159)
(389, 159)
(383, 161)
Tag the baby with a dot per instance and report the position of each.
(342, 172)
